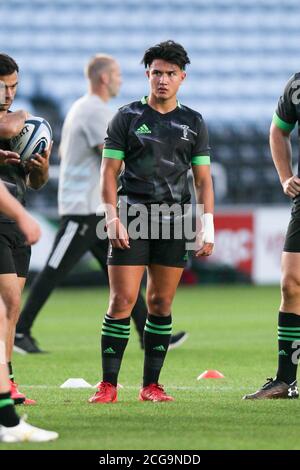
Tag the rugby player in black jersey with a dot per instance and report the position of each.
(12, 428)
(287, 114)
(80, 155)
(158, 140)
(14, 253)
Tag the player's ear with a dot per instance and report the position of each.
(104, 78)
(183, 75)
(148, 73)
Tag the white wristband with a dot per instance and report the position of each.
(208, 228)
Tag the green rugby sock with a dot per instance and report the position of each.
(288, 334)
(157, 334)
(114, 339)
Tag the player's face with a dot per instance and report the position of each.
(8, 89)
(165, 79)
(115, 79)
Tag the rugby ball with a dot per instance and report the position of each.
(35, 137)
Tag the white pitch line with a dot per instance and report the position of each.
(137, 387)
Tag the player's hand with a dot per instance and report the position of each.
(205, 234)
(25, 115)
(9, 158)
(21, 114)
(291, 186)
(39, 162)
(117, 234)
(206, 250)
(30, 228)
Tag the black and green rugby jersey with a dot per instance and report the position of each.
(158, 150)
(288, 109)
(14, 178)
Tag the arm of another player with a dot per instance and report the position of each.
(14, 210)
(38, 168)
(281, 151)
(117, 234)
(205, 196)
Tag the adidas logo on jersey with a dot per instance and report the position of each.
(144, 129)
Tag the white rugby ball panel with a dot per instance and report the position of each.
(35, 137)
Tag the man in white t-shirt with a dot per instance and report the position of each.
(81, 147)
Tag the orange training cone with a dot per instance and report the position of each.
(210, 374)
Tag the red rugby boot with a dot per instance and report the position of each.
(106, 393)
(154, 392)
(18, 397)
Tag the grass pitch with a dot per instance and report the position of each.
(232, 329)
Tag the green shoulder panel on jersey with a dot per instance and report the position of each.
(285, 126)
(112, 153)
(201, 160)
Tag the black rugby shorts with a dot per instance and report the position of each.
(14, 253)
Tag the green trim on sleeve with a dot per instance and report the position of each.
(285, 126)
(201, 160)
(111, 153)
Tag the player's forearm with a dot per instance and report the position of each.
(108, 192)
(205, 194)
(38, 178)
(281, 151)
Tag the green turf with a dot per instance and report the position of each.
(232, 329)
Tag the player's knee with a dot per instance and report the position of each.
(159, 304)
(121, 303)
(290, 288)
(12, 303)
(3, 318)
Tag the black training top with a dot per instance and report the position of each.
(158, 150)
(288, 108)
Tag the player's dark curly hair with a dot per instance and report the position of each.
(169, 51)
(7, 65)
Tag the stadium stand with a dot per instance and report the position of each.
(242, 54)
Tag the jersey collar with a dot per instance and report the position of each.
(144, 100)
